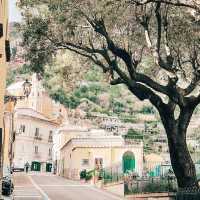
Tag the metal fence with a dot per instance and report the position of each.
(112, 174)
(157, 177)
(150, 185)
(156, 169)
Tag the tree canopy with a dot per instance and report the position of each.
(151, 46)
(120, 36)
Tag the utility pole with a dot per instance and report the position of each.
(4, 58)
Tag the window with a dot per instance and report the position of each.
(85, 162)
(22, 129)
(37, 132)
(160, 148)
(50, 151)
(98, 163)
(36, 149)
(50, 136)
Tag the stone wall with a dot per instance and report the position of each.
(152, 196)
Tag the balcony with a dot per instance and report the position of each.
(50, 140)
(38, 137)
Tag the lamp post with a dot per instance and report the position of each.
(26, 86)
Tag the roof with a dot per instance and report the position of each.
(94, 141)
(14, 86)
(70, 127)
(32, 113)
(103, 141)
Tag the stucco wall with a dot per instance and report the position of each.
(152, 196)
(3, 63)
(72, 158)
(25, 143)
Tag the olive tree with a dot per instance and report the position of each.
(151, 46)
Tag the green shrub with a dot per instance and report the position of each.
(128, 119)
(88, 176)
(156, 187)
(83, 174)
(147, 110)
(68, 101)
(94, 74)
(100, 175)
(133, 134)
(93, 99)
(107, 176)
(151, 187)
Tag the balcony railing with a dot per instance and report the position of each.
(38, 137)
(50, 140)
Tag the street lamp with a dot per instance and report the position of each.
(26, 86)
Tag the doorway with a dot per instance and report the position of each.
(128, 161)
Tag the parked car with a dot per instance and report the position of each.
(17, 169)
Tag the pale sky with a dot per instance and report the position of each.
(14, 13)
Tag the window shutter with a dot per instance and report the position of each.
(1, 30)
(8, 55)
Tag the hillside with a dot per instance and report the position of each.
(91, 93)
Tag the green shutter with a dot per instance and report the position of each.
(35, 166)
(48, 167)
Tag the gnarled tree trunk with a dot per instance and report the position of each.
(182, 163)
(181, 160)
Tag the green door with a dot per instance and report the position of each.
(128, 162)
(48, 167)
(35, 166)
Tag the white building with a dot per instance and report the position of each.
(33, 140)
(35, 120)
(111, 153)
(64, 133)
(38, 99)
(75, 146)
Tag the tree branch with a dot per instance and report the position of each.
(149, 82)
(99, 27)
(194, 82)
(116, 81)
(159, 26)
(143, 92)
(169, 2)
(155, 53)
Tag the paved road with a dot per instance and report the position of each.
(51, 187)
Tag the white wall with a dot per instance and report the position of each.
(25, 143)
